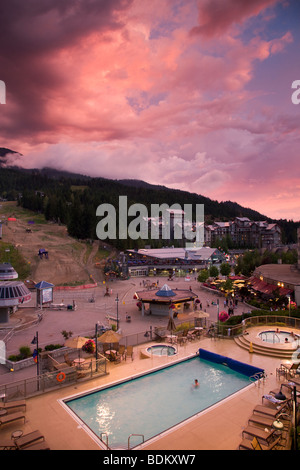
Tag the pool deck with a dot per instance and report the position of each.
(218, 428)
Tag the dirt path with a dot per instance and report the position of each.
(69, 261)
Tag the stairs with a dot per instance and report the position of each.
(264, 350)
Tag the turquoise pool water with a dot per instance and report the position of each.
(153, 403)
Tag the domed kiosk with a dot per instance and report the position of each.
(12, 294)
(7, 272)
(165, 298)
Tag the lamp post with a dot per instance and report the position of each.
(117, 300)
(36, 356)
(96, 345)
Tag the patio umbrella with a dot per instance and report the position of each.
(77, 342)
(171, 325)
(201, 314)
(110, 337)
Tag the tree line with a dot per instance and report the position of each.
(72, 200)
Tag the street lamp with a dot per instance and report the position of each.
(117, 300)
(289, 297)
(96, 345)
(36, 357)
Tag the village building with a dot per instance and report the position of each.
(165, 301)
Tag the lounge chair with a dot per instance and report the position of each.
(266, 421)
(273, 400)
(267, 410)
(12, 404)
(129, 352)
(28, 439)
(38, 446)
(256, 445)
(11, 417)
(260, 420)
(7, 444)
(259, 433)
(292, 369)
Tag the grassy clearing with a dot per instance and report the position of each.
(10, 254)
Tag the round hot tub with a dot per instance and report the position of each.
(280, 337)
(161, 350)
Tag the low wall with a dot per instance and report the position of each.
(241, 367)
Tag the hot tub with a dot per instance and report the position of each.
(161, 350)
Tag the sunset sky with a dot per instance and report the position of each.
(190, 94)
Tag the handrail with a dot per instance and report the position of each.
(141, 435)
(274, 334)
(106, 443)
(257, 377)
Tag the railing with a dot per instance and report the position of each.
(136, 435)
(258, 378)
(226, 331)
(52, 380)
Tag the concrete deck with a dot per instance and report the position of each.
(218, 428)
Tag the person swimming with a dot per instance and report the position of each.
(196, 383)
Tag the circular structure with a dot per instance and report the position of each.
(162, 350)
(13, 293)
(60, 377)
(7, 272)
(160, 302)
(280, 337)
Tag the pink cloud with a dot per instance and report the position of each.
(122, 89)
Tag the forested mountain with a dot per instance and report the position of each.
(72, 199)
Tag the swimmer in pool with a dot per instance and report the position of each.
(196, 384)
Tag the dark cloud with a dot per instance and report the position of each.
(32, 32)
(35, 27)
(217, 16)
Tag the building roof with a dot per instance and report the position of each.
(165, 291)
(177, 295)
(200, 254)
(43, 285)
(279, 273)
(13, 293)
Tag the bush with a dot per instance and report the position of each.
(52, 347)
(25, 352)
(13, 358)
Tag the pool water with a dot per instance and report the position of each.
(162, 350)
(279, 337)
(153, 403)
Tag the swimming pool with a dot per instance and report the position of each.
(146, 406)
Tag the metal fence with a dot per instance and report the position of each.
(53, 380)
(226, 331)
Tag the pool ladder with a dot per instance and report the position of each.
(258, 378)
(104, 434)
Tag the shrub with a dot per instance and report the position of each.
(51, 347)
(25, 352)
